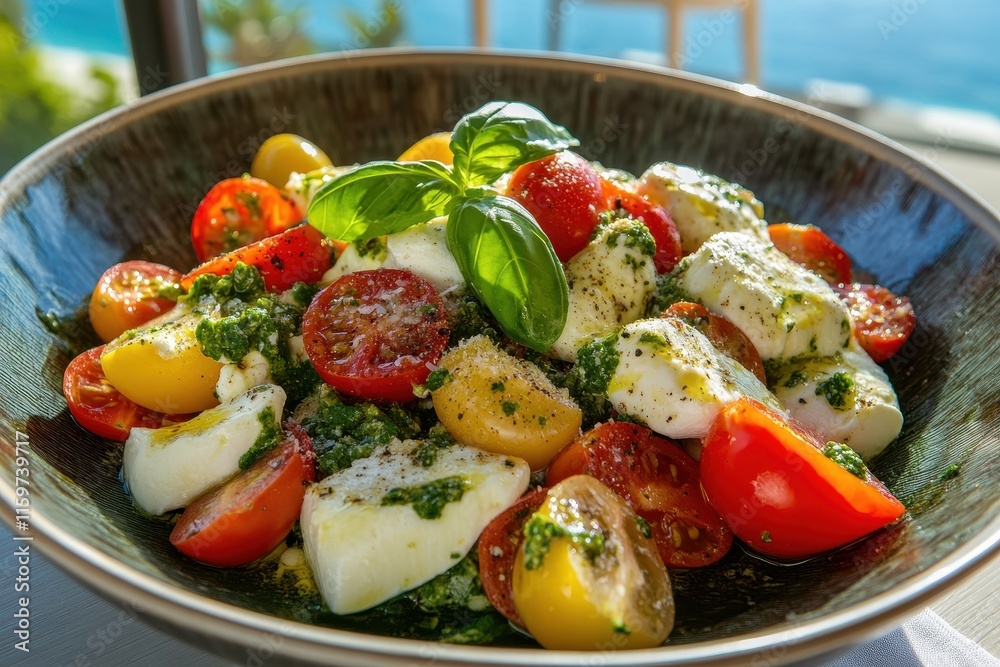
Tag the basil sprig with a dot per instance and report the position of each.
(504, 256)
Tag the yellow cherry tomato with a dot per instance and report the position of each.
(588, 575)
(160, 365)
(496, 402)
(431, 147)
(282, 154)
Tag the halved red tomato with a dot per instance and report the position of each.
(659, 480)
(723, 334)
(618, 195)
(295, 255)
(498, 547)
(237, 212)
(246, 517)
(883, 321)
(375, 334)
(810, 247)
(563, 193)
(780, 493)
(130, 294)
(100, 408)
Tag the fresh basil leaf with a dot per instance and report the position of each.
(381, 198)
(501, 136)
(510, 265)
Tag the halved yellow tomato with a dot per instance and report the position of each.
(161, 366)
(588, 575)
(496, 402)
(432, 147)
(282, 154)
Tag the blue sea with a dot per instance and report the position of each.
(934, 52)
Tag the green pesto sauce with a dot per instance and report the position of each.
(429, 500)
(596, 364)
(668, 291)
(436, 379)
(633, 235)
(539, 531)
(467, 317)
(644, 528)
(374, 247)
(243, 283)
(269, 437)
(426, 453)
(846, 458)
(795, 379)
(655, 341)
(344, 432)
(509, 407)
(837, 389)
(951, 471)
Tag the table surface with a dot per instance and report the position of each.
(72, 626)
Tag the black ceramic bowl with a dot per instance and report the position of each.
(125, 186)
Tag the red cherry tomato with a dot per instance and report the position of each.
(723, 334)
(498, 547)
(659, 480)
(810, 247)
(246, 517)
(563, 193)
(619, 195)
(882, 321)
(778, 491)
(99, 407)
(238, 212)
(128, 295)
(295, 255)
(375, 334)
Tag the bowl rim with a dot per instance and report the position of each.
(197, 615)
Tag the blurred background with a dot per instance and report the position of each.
(922, 71)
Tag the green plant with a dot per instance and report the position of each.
(33, 109)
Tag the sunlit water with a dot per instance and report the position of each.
(939, 52)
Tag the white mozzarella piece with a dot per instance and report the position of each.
(672, 378)
(301, 188)
(423, 250)
(363, 552)
(351, 260)
(866, 416)
(610, 283)
(168, 467)
(784, 309)
(238, 378)
(701, 204)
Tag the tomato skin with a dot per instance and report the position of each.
(563, 193)
(246, 517)
(100, 408)
(777, 490)
(498, 547)
(237, 212)
(128, 295)
(883, 321)
(810, 247)
(295, 255)
(723, 334)
(659, 480)
(619, 196)
(374, 334)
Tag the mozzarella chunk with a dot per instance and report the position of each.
(610, 283)
(423, 250)
(784, 309)
(168, 467)
(370, 257)
(363, 551)
(701, 204)
(301, 188)
(238, 378)
(672, 378)
(845, 398)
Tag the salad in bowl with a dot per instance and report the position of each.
(492, 387)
